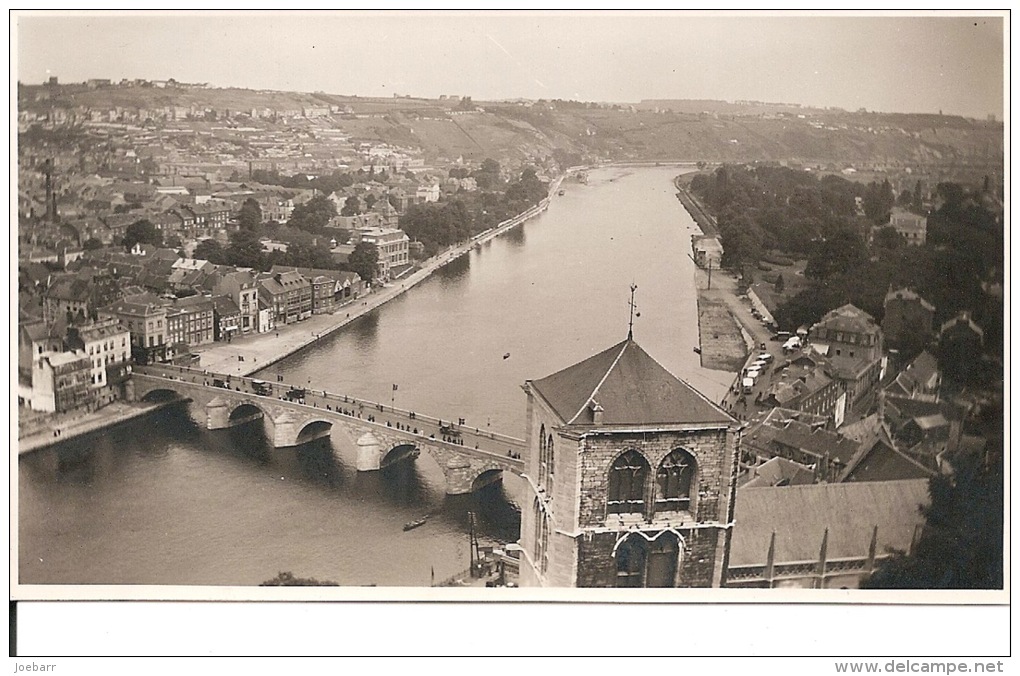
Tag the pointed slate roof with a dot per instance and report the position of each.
(630, 387)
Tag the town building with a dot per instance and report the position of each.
(392, 245)
(853, 342)
(78, 295)
(289, 295)
(61, 381)
(708, 251)
(330, 288)
(242, 288)
(266, 319)
(190, 321)
(227, 318)
(805, 381)
(961, 344)
(778, 434)
(36, 338)
(107, 344)
(145, 318)
(908, 318)
(911, 226)
(631, 476)
(919, 380)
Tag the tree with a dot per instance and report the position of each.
(92, 244)
(878, 202)
(352, 206)
(917, 203)
(363, 260)
(142, 232)
(250, 215)
(245, 250)
(210, 250)
(841, 253)
(313, 215)
(370, 200)
(888, 238)
(961, 543)
(780, 284)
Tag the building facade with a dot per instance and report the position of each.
(106, 343)
(392, 246)
(908, 318)
(61, 381)
(912, 227)
(190, 321)
(145, 318)
(632, 475)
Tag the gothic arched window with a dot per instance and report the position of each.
(627, 479)
(551, 462)
(541, 457)
(630, 562)
(544, 540)
(673, 482)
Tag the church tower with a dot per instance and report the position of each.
(632, 477)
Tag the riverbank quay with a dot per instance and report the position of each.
(249, 354)
(729, 334)
(114, 414)
(704, 220)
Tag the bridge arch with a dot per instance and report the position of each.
(244, 411)
(399, 452)
(487, 478)
(161, 395)
(312, 430)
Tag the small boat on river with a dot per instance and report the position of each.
(411, 525)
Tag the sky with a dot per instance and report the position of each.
(886, 63)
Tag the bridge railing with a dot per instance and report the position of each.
(244, 384)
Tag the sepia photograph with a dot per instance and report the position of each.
(509, 306)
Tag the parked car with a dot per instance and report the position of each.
(765, 357)
(748, 385)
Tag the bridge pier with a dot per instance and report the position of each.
(369, 453)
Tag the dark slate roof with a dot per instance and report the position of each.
(632, 389)
(800, 515)
(882, 462)
(225, 306)
(778, 472)
(771, 435)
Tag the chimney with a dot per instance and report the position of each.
(596, 412)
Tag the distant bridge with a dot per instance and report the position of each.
(470, 458)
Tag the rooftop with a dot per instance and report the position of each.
(800, 515)
(630, 387)
(848, 318)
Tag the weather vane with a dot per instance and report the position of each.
(633, 308)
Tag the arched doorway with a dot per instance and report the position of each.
(642, 561)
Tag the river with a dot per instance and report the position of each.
(163, 501)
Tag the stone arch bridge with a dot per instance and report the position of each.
(470, 458)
